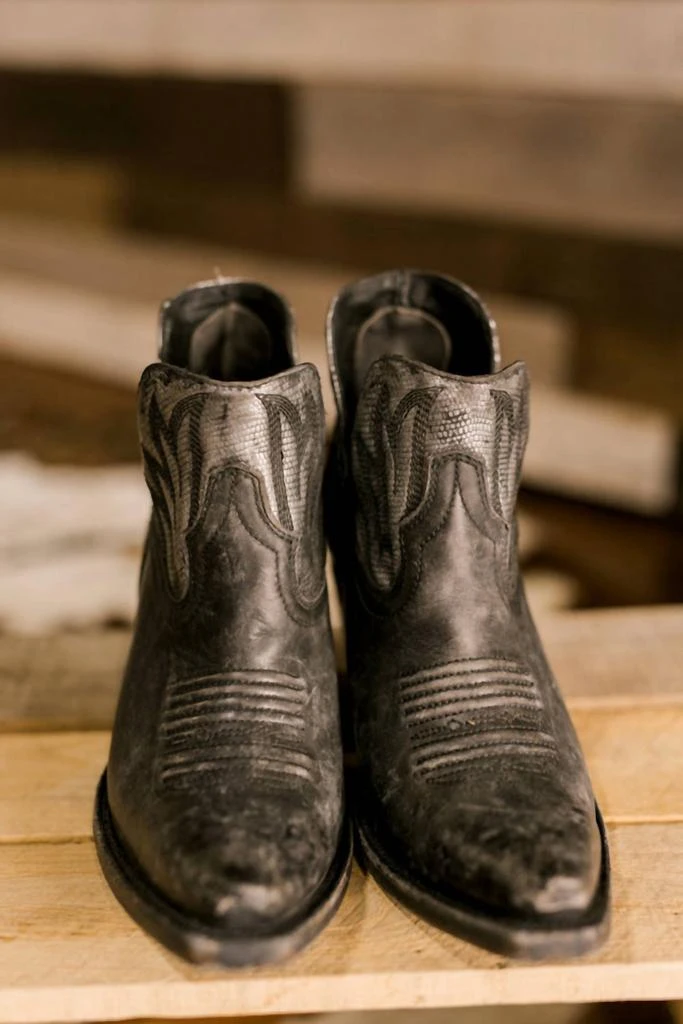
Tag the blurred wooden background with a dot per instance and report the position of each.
(534, 149)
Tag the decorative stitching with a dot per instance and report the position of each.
(396, 451)
(246, 719)
(192, 434)
(472, 699)
(451, 710)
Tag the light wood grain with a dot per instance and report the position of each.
(569, 46)
(635, 759)
(606, 166)
(70, 953)
(634, 753)
(69, 680)
(617, 653)
(47, 785)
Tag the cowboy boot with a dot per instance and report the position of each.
(219, 820)
(473, 807)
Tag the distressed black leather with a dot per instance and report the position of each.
(474, 805)
(224, 781)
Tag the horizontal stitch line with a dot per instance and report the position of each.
(187, 727)
(251, 751)
(252, 691)
(481, 753)
(526, 717)
(452, 668)
(473, 679)
(466, 676)
(457, 743)
(499, 659)
(189, 740)
(237, 714)
(279, 768)
(242, 675)
(427, 741)
(446, 683)
(226, 711)
(509, 734)
(461, 704)
(490, 764)
(438, 701)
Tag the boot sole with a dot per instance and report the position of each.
(567, 935)
(196, 940)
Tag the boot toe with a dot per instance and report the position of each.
(534, 858)
(249, 874)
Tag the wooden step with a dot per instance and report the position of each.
(89, 299)
(580, 47)
(70, 953)
(593, 165)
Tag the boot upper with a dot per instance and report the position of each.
(470, 766)
(224, 777)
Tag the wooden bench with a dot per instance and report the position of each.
(69, 953)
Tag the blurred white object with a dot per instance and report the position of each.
(43, 506)
(69, 544)
(71, 590)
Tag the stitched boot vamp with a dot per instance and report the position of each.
(489, 818)
(224, 778)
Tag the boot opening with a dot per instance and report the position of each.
(229, 330)
(422, 316)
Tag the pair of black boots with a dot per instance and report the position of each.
(220, 821)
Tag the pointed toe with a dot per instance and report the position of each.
(248, 872)
(515, 848)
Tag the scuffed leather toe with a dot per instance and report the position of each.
(513, 846)
(520, 860)
(249, 872)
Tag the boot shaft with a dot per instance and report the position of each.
(424, 444)
(209, 446)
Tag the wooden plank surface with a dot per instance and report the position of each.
(603, 165)
(617, 653)
(601, 450)
(70, 953)
(66, 681)
(568, 46)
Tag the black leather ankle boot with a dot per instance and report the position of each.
(473, 803)
(219, 821)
